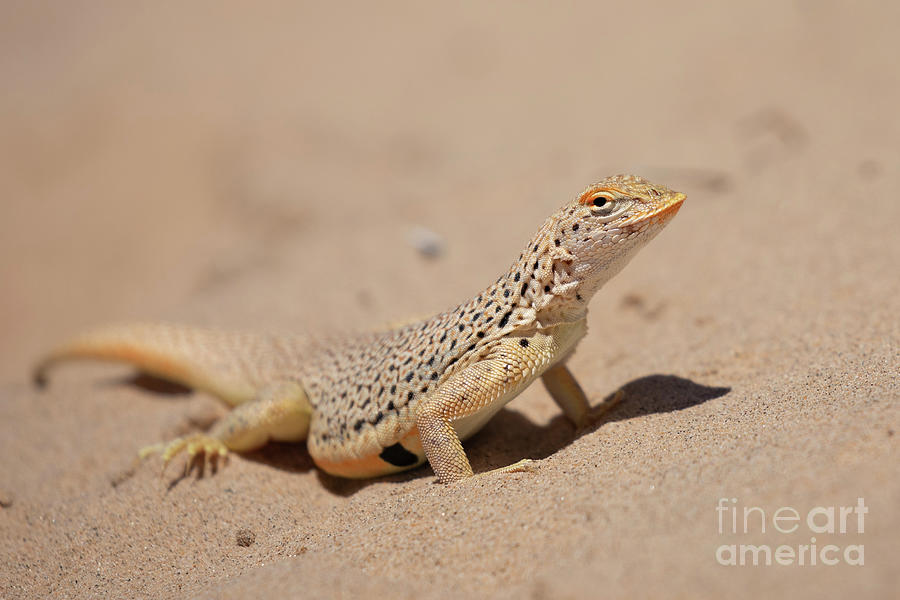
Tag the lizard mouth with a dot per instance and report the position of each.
(667, 210)
(662, 212)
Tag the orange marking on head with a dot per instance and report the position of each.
(669, 209)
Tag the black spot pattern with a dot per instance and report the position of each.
(388, 373)
(398, 456)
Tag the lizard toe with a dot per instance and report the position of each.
(197, 446)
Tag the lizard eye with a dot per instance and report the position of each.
(606, 209)
(603, 204)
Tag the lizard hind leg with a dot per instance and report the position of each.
(280, 412)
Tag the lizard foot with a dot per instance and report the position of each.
(597, 414)
(526, 465)
(197, 445)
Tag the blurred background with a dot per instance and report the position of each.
(266, 160)
(291, 166)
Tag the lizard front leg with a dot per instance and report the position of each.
(567, 394)
(510, 367)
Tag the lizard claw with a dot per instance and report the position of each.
(596, 415)
(526, 465)
(609, 404)
(199, 445)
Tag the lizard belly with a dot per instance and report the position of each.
(468, 426)
(405, 454)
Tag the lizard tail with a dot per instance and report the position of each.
(232, 366)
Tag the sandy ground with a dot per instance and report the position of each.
(263, 168)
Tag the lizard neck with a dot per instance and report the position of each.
(546, 286)
(549, 285)
(540, 289)
(544, 280)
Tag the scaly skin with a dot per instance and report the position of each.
(384, 402)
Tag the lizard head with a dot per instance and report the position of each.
(588, 241)
(609, 222)
(584, 244)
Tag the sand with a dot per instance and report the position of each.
(264, 168)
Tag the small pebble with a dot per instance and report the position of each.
(245, 537)
(426, 241)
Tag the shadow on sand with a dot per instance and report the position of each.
(508, 437)
(511, 436)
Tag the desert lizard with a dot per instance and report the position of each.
(379, 403)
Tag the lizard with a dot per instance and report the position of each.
(375, 403)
